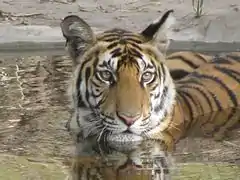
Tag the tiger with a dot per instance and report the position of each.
(122, 89)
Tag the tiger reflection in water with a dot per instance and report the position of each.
(130, 161)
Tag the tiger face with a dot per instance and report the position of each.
(121, 88)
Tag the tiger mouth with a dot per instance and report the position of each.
(127, 131)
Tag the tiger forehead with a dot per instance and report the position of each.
(121, 36)
(125, 47)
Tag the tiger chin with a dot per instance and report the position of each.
(121, 89)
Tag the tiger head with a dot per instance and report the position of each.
(121, 88)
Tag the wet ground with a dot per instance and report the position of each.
(33, 113)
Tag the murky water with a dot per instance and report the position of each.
(33, 113)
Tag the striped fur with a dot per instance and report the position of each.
(208, 99)
(182, 63)
(122, 89)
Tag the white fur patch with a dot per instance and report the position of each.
(108, 57)
(124, 137)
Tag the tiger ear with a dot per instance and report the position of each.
(78, 35)
(156, 33)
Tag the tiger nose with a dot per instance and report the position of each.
(128, 118)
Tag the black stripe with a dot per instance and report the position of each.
(95, 83)
(163, 71)
(108, 34)
(95, 63)
(79, 80)
(136, 46)
(195, 81)
(200, 57)
(188, 81)
(117, 54)
(157, 95)
(220, 60)
(107, 116)
(80, 102)
(84, 64)
(98, 78)
(203, 94)
(114, 51)
(154, 87)
(98, 94)
(178, 74)
(230, 93)
(136, 53)
(149, 66)
(119, 31)
(100, 102)
(229, 72)
(133, 40)
(104, 64)
(163, 100)
(96, 59)
(110, 46)
(77, 119)
(154, 79)
(111, 39)
(234, 57)
(230, 116)
(128, 33)
(196, 103)
(87, 75)
(123, 59)
(217, 102)
(188, 62)
(189, 107)
(154, 65)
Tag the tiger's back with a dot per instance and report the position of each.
(209, 99)
(182, 63)
(221, 77)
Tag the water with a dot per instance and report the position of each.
(34, 143)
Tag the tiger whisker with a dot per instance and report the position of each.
(89, 129)
(101, 133)
(175, 126)
(145, 133)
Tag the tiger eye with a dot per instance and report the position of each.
(105, 75)
(147, 76)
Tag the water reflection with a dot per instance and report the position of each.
(139, 160)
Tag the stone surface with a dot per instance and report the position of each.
(219, 22)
